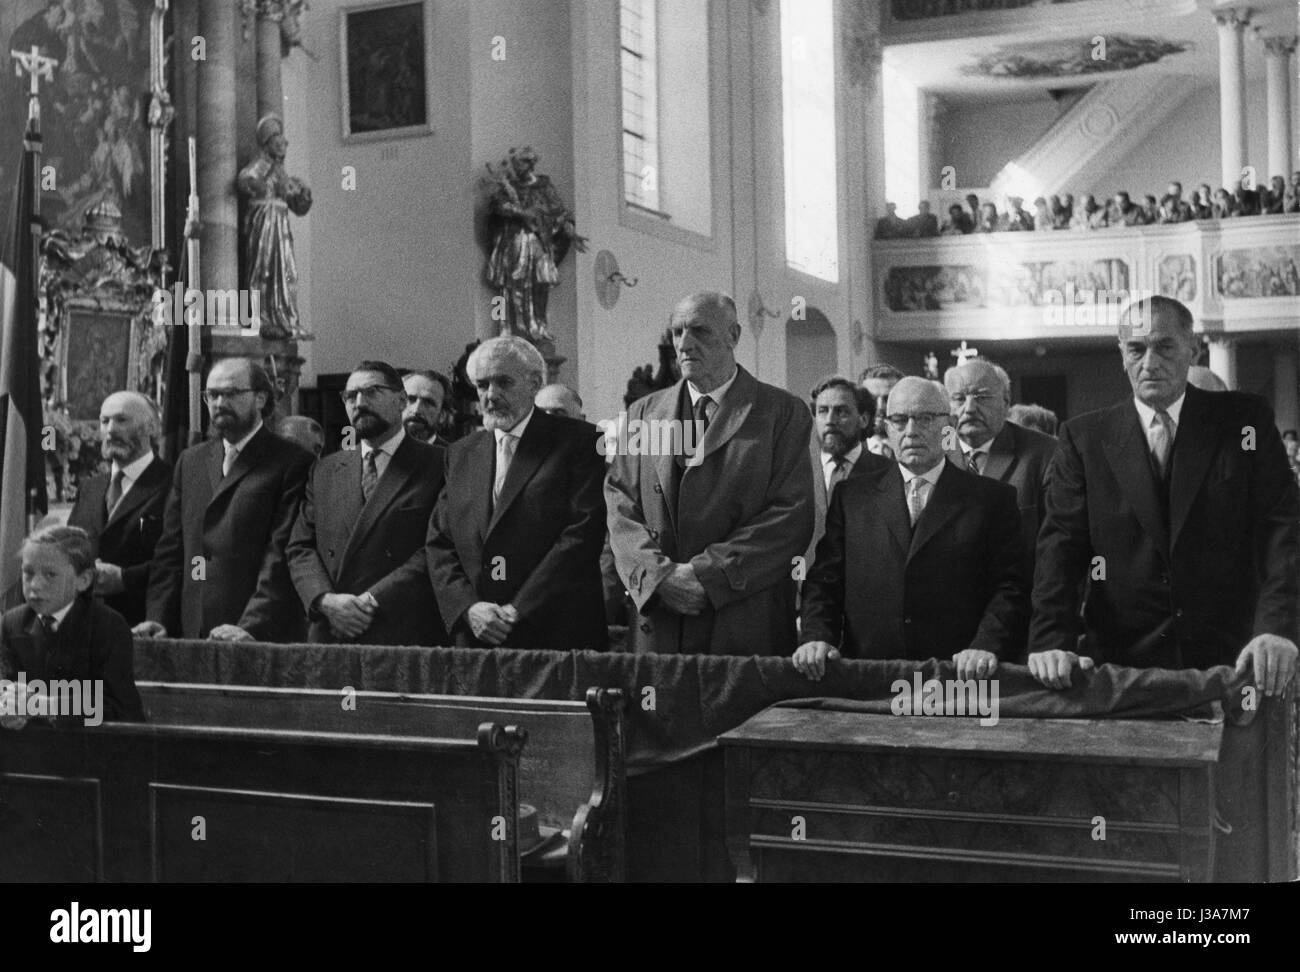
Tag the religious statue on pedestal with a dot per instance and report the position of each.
(530, 232)
(272, 194)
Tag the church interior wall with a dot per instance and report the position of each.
(977, 139)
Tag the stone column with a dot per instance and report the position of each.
(1286, 388)
(1232, 93)
(1277, 59)
(1223, 359)
(216, 130)
(270, 91)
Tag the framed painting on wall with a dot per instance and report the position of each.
(384, 71)
(97, 352)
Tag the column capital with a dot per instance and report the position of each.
(1236, 18)
(1282, 47)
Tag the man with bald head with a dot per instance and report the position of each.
(706, 532)
(920, 559)
(979, 394)
(219, 569)
(513, 547)
(1178, 509)
(122, 509)
(560, 399)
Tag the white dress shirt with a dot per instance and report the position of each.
(1147, 416)
(931, 476)
(131, 471)
(386, 452)
(716, 395)
(983, 451)
(233, 451)
(828, 465)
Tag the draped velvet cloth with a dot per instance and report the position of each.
(679, 704)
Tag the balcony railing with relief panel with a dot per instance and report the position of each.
(1236, 275)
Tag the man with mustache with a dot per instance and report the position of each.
(920, 559)
(219, 569)
(706, 541)
(122, 510)
(514, 543)
(842, 414)
(979, 394)
(1177, 507)
(356, 554)
(426, 394)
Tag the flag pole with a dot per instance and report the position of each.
(194, 362)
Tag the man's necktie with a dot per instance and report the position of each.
(114, 494)
(1162, 441)
(505, 452)
(369, 475)
(973, 461)
(702, 414)
(839, 473)
(47, 622)
(231, 455)
(916, 498)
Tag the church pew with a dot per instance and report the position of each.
(179, 801)
(572, 770)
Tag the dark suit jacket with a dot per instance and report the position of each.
(127, 538)
(538, 548)
(93, 642)
(1022, 458)
(739, 516)
(880, 590)
(239, 525)
(344, 546)
(867, 461)
(1184, 591)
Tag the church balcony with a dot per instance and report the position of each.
(1238, 276)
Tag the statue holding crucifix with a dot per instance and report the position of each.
(964, 354)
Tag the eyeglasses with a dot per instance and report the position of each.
(370, 392)
(923, 420)
(217, 394)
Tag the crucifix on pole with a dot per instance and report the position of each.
(964, 354)
(38, 66)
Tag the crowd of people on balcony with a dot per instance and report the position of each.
(1061, 212)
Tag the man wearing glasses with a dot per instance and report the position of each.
(356, 554)
(920, 559)
(979, 394)
(219, 569)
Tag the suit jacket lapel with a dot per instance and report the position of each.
(1195, 441)
(396, 474)
(731, 414)
(944, 503)
(1001, 454)
(481, 465)
(139, 494)
(533, 447)
(666, 465)
(894, 507)
(1126, 451)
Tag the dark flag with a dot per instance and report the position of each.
(22, 463)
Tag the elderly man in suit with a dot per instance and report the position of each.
(219, 570)
(356, 554)
(1178, 509)
(707, 542)
(920, 559)
(842, 415)
(979, 394)
(514, 543)
(123, 509)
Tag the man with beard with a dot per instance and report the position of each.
(426, 393)
(123, 509)
(842, 414)
(219, 569)
(879, 380)
(979, 394)
(356, 554)
(514, 542)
